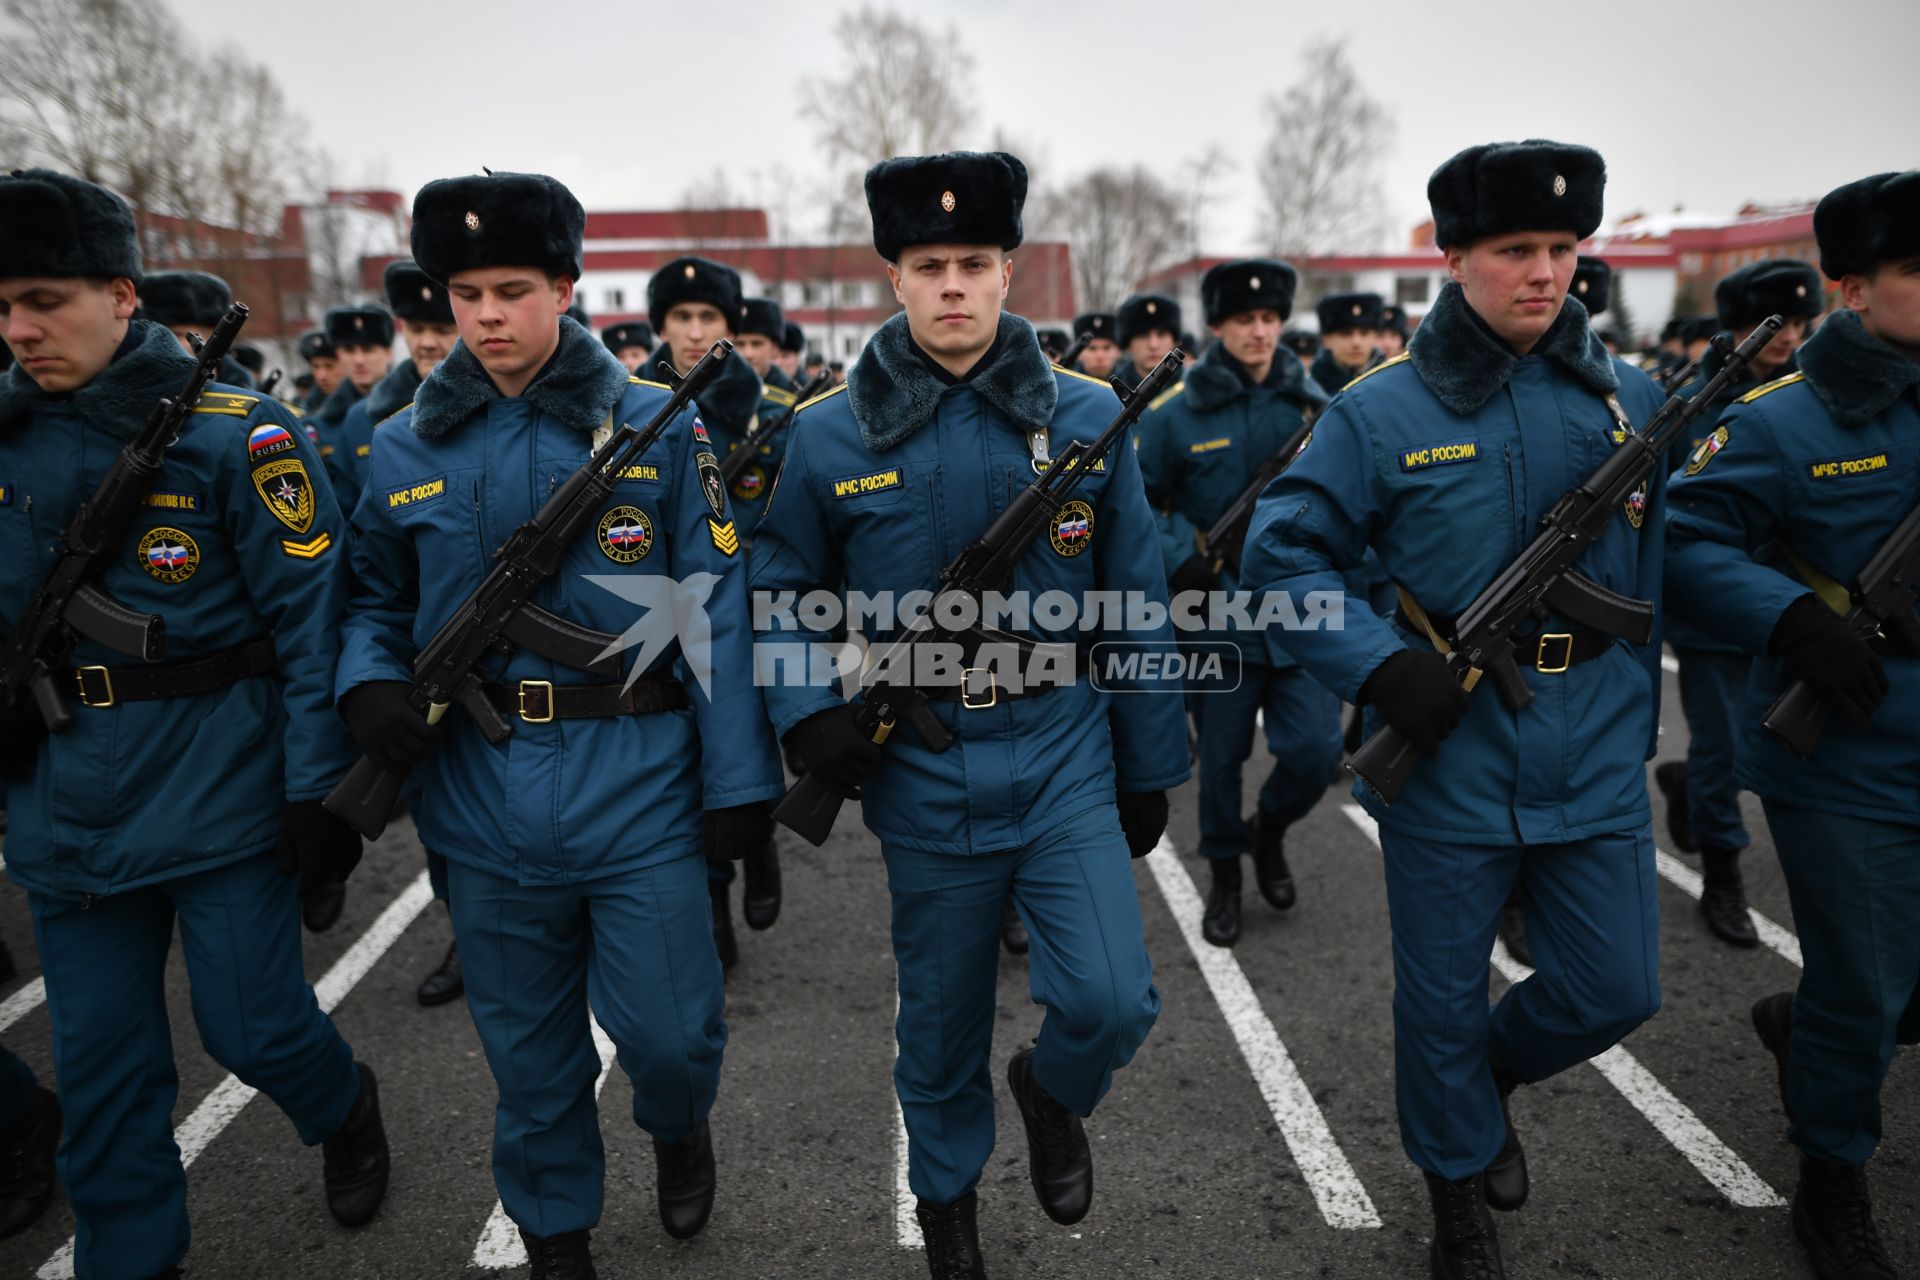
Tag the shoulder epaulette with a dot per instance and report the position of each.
(823, 396)
(643, 382)
(293, 409)
(1168, 394)
(234, 406)
(778, 396)
(1775, 385)
(1084, 377)
(396, 413)
(1402, 358)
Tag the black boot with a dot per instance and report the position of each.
(723, 925)
(1507, 1176)
(26, 1163)
(1270, 871)
(1833, 1216)
(1723, 897)
(685, 1182)
(760, 899)
(1773, 1019)
(1220, 923)
(953, 1239)
(444, 983)
(1058, 1158)
(321, 905)
(1464, 1244)
(7, 970)
(1671, 777)
(356, 1158)
(1013, 930)
(566, 1256)
(1513, 926)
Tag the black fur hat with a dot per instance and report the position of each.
(637, 334)
(416, 296)
(497, 220)
(762, 316)
(1252, 284)
(250, 358)
(184, 297)
(1143, 313)
(316, 345)
(359, 327)
(1674, 330)
(1500, 187)
(54, 225)
(1338, 311)
(1699, 328)
(1863, 224)
(1394, 318)
(962, 197)
(1302, 342)
(1592, 284)
(693, 280)
(793, 338)
(1100, 324)
(1054, 341)
(1779, 286)
(577, 312)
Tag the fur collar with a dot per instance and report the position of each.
(119, 399)
(1463, 364)
(579, 386)
(395, 391)
(893, 394)
(731, 399)
(1217, 379)
(1855, 374)
(333, 410)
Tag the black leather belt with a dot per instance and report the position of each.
(110, 686)
(1549, 653)
(539, 701)
(978, 690)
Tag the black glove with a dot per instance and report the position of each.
(21, 732)
(835, 750)
(317, 846)
(734, 833)
(386, 726)
(1143, 820)
(1195, 573)
(1822, 650)
(1417, 694)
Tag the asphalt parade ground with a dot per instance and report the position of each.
(1253, 1136)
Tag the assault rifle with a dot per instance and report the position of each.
(66, 606)
(1072, 353)
(1543, 579)
(736, 461)
(273, 380)
(1226, 536)
(984, 565)
(1883, 605)
(499, 616)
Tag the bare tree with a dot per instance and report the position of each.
(1318, 169)
(1120, 224)
(904, 90)
(1199, 173)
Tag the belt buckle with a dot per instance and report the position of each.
(541, 692)
(966, 689)
(87, 699)
(1566, 653)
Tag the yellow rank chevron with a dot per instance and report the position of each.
(724, 536)
(307, 550)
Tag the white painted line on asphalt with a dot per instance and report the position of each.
(500, 1246)
(217, 1110)
(906, 1223)
(1782, 942)
(1714, 1159)
(1336, 1188)
(22, 1002)
(1669, 664)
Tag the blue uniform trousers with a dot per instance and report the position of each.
(1593, 923)
(1303, 734)
(1711, 686)
(18, 1087)
(638, 949)
(437, 875)
(1088, 966)
(1855, 887)
(105, 964)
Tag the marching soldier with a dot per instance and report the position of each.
(1101, 353)
(1201, 444)
(1046, 791)
(1305, 345)
(323, 369)
(757, 339)
(630, 343)
(693, 303)
(793, 345)
(1147, 327)
(574, 847)
(1774, 514)
(363, 339)
(118, 834)
(1391, 339)
(191, 302)
(1703, 800)
(1445, 462)
(1349, 330)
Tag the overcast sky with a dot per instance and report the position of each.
(1694, 104)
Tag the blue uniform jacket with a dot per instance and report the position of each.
(736, 404)
(1444, 461)
(328, 429)
(451, 477)
(885, 481)
(1820, 465)
(239, 539)
(389, 396)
